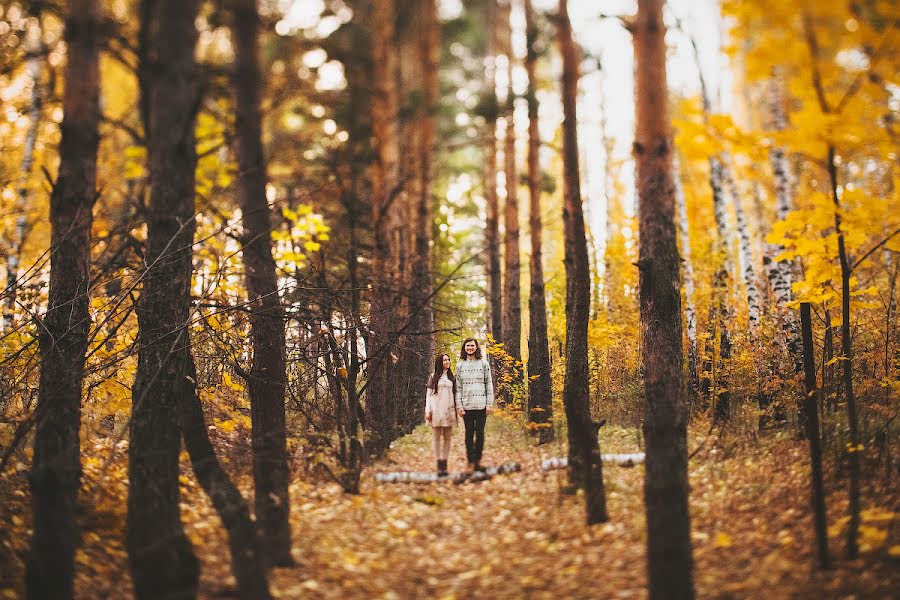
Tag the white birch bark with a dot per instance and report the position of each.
(779, 272)
(17, 239)
(690, 310)
(745, 252)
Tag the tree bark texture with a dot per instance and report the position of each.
(165, 405)
(33, 51)
(669, 555)
(56, 469)
(492, 229)
(420, 342)
(585, 466)
(267, 377)
(512, 295)
(853, 447)
(714, 384)
(780, 273)
(381, 396)
(817, 495)
(540, 393)
(690, 310)
(768, 413)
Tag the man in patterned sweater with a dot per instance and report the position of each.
(475, 398)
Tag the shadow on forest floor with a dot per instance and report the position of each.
(514, 536)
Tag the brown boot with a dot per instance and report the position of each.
(442, 468)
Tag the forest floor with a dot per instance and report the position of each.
(514, 536)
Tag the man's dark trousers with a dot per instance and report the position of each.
(474, 421)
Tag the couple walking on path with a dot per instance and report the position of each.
(469, 393)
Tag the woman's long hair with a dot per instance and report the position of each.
(462, 350)
(438, 371)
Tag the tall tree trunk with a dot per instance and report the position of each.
(585, 467)
(33, 51)
(421, 339)
(492, 228)
(768, 412)
(165, 404)
(817, 495)
(690, 311)
(540, 406)
(719, 312)
(56, 470)
(745, 252)
(512, 296)
(854, 447)
(381, 397)
(713, 386)
(267, 378)
(669, 559)
(780, 273)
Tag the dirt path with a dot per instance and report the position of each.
(515, 536)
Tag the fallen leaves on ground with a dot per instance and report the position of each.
(513, 536)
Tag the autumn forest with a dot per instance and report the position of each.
(657, 243)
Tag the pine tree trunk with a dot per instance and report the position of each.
(512, 296)
(669, 559)
(540, 406)
(585, 466)
(492, 225)
(421, 339)
(820, 518)
(56, 469)
(267, 377)
(381, 396)
(165, 404)
(33, 51)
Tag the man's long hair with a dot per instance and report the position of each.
(438, 371)
(462, 351)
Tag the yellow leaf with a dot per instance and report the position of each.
(723, 540)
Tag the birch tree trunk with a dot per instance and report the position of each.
(669, 555)
(585, 465)
(165, 405)
(690, 311)
(745, 252)
(768, 412)
(56, 469)
(33, 50)
(267, 377)
(780, 273)
(712, 384)
(512, 295)
(540, 407)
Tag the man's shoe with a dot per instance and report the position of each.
(478, 467)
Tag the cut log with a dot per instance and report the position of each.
(621, 460)
(457, 478)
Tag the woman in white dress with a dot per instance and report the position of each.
(440, 409)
